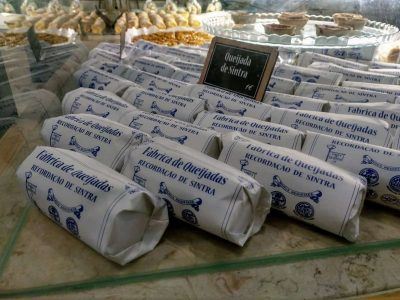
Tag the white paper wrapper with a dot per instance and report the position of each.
(341, 93)
(99, 103)
(383, 111)
(383, 65)
(186, 76)
(355, 53)
(392, 72)
(199, 190)
(187, 134)
(281, 85)
(174, 106)
(301, 74)
(356, 128)
(355, 75)
(115, 48)
(107, 211)
(265, 132)
(101, 55)
(390, 89)
(187, 66)
(135, 53)
(295, 102)
(31, 105)
(115, 68)
(104, 140)
(378, 165)
(153, 66)
(225, 102)
(156, 83)
(307, 58)
(190, 56)
(96, 79)
(301, 186)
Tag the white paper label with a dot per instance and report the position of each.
(195, 137)
(383, 65)
(281, 85)
(190, 67)
(265, 132)
(307, 58)
(99, 103)
(352, 127)
(102, 55)
(199, 190)
(153, 66)
(174, 106)
(104, 140)
(356, 53)
(93, 203)
(378, 165)
(301, 186)
(390, 89)
(294, 102)
(341, 94)
(115, 68)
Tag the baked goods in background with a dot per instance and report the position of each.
(332, 30)
(297, 19)
(279, 29)
(242, 17)
(214, 5)
(354, 21)
(193, 38)
(16, 39)
(193, 7)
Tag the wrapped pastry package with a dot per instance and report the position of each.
(201, 139)
(99, 103)
(225, 102)
(262, 131)
(96, 79)
(383, 65)
(113, 215)
(281, 85)
(301, 186)
(378, 165)
(356, 128)
(301, 74)
(390, 89)
(383, 111)
(341, 93)
(354, 53)
(115, 68)
(98, 138)
(113, 48)
(307, 58)
(104, 56)
(295, 102)
(190, 67)
(199, 190)
(156, 83)
(153, 66)
(180, 107)
(349, 74)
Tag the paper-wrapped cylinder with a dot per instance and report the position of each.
(107, 211)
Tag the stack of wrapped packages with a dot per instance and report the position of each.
(140, 142)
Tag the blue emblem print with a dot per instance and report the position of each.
(271, 86)
(334, 156)
(294, 126)
(131, 189)
(314, 196)
(153, 86)
(180, 139)
(54, 136)
(90, 110)
(189, 217)
(394, 184)
(371, 175)
(317, 95)
(292, 105)
(304, 210)
(155, 73)
(137, 178)
(97, 84)
(220, 108)
(371, 194)
(29, 186)
(368, 160)
(135, 124)
(72, 226)
(108, 67)
(53, 213)
(390, 199)
(138, 102)
(76, 210)
(170, 208)
(278, 200)
(244, 163)
(195, 203)
(92, 152)
(156, 109)
(75, 105)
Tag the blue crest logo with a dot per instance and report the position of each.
(221, 108)
(394, 184)
(76, 210)
(72, 226)
(137, 178)
(54, 136)
(244, 163)
(304, 210)
(135, 124)
(153, 86)
(314, 195)
(53, 213)
(292, 105)
(180, 139)
(91, 152)
(334, 156)
(371, 175)
(156, 109)
(195, 203)
(29, 186)
(189, 217)
(278, 200)
(90, 110)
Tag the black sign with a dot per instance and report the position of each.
(239, 67)
(34, 43)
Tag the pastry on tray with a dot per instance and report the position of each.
(242, 17)
(297, 19)
(354, 21)
(279, 29)
(332, 30)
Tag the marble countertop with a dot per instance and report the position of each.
(287, 259)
